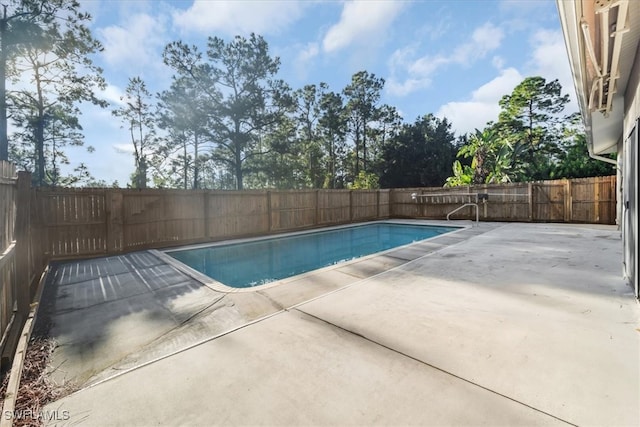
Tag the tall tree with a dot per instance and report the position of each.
(332, 127)
(245, 97)
(136, 114)
(182, 113)
(53, 72)
(307, 114)
(20, 23)
(387, 125)
(532, 121)
(420, 155)
(284, 163)
(362, 95)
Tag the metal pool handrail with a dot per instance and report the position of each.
(464, 206)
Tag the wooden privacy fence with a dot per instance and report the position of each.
(581, 200)
(22, 260)
(86, 222)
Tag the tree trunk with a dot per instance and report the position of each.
(239, 177)
(196, 163)
(185, 168)
(39, 141)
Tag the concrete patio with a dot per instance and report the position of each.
(497, 324)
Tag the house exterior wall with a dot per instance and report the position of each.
(628, 201)
(632, 97)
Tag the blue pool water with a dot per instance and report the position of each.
(247, 264)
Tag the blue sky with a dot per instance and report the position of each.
(452, 58)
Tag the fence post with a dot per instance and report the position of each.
(596, 202)
(530, 197)
(568, 203)
(115, 221)
(269, 211)
(23, 275)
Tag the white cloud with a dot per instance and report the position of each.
(112, 94)
(361, 22)
(466, 116)
(484, 39)
(498, 62)
(238, 17)
(418, 72)
(310, 51)
(407, 86)
(549, 60)
(135, 44)
(123, 148)
(305, 57)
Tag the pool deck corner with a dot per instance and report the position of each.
(498, 324)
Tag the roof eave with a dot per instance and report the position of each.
(597, 126)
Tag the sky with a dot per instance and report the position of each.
(453, 58)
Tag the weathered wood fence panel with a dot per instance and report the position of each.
(292, 210)
(22, 259)
(506, 202)
(236, 213)
(74, 220)
(593, 201)
(334, 206)
(580, 200)
(548, 201)
(154, 218)
(8, 195)
(583, 200)
(364, 205)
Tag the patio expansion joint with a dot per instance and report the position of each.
(427, 364)
(272, 301)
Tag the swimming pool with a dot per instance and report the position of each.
(253, 263)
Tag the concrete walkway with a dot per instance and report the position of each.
(501, 324)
